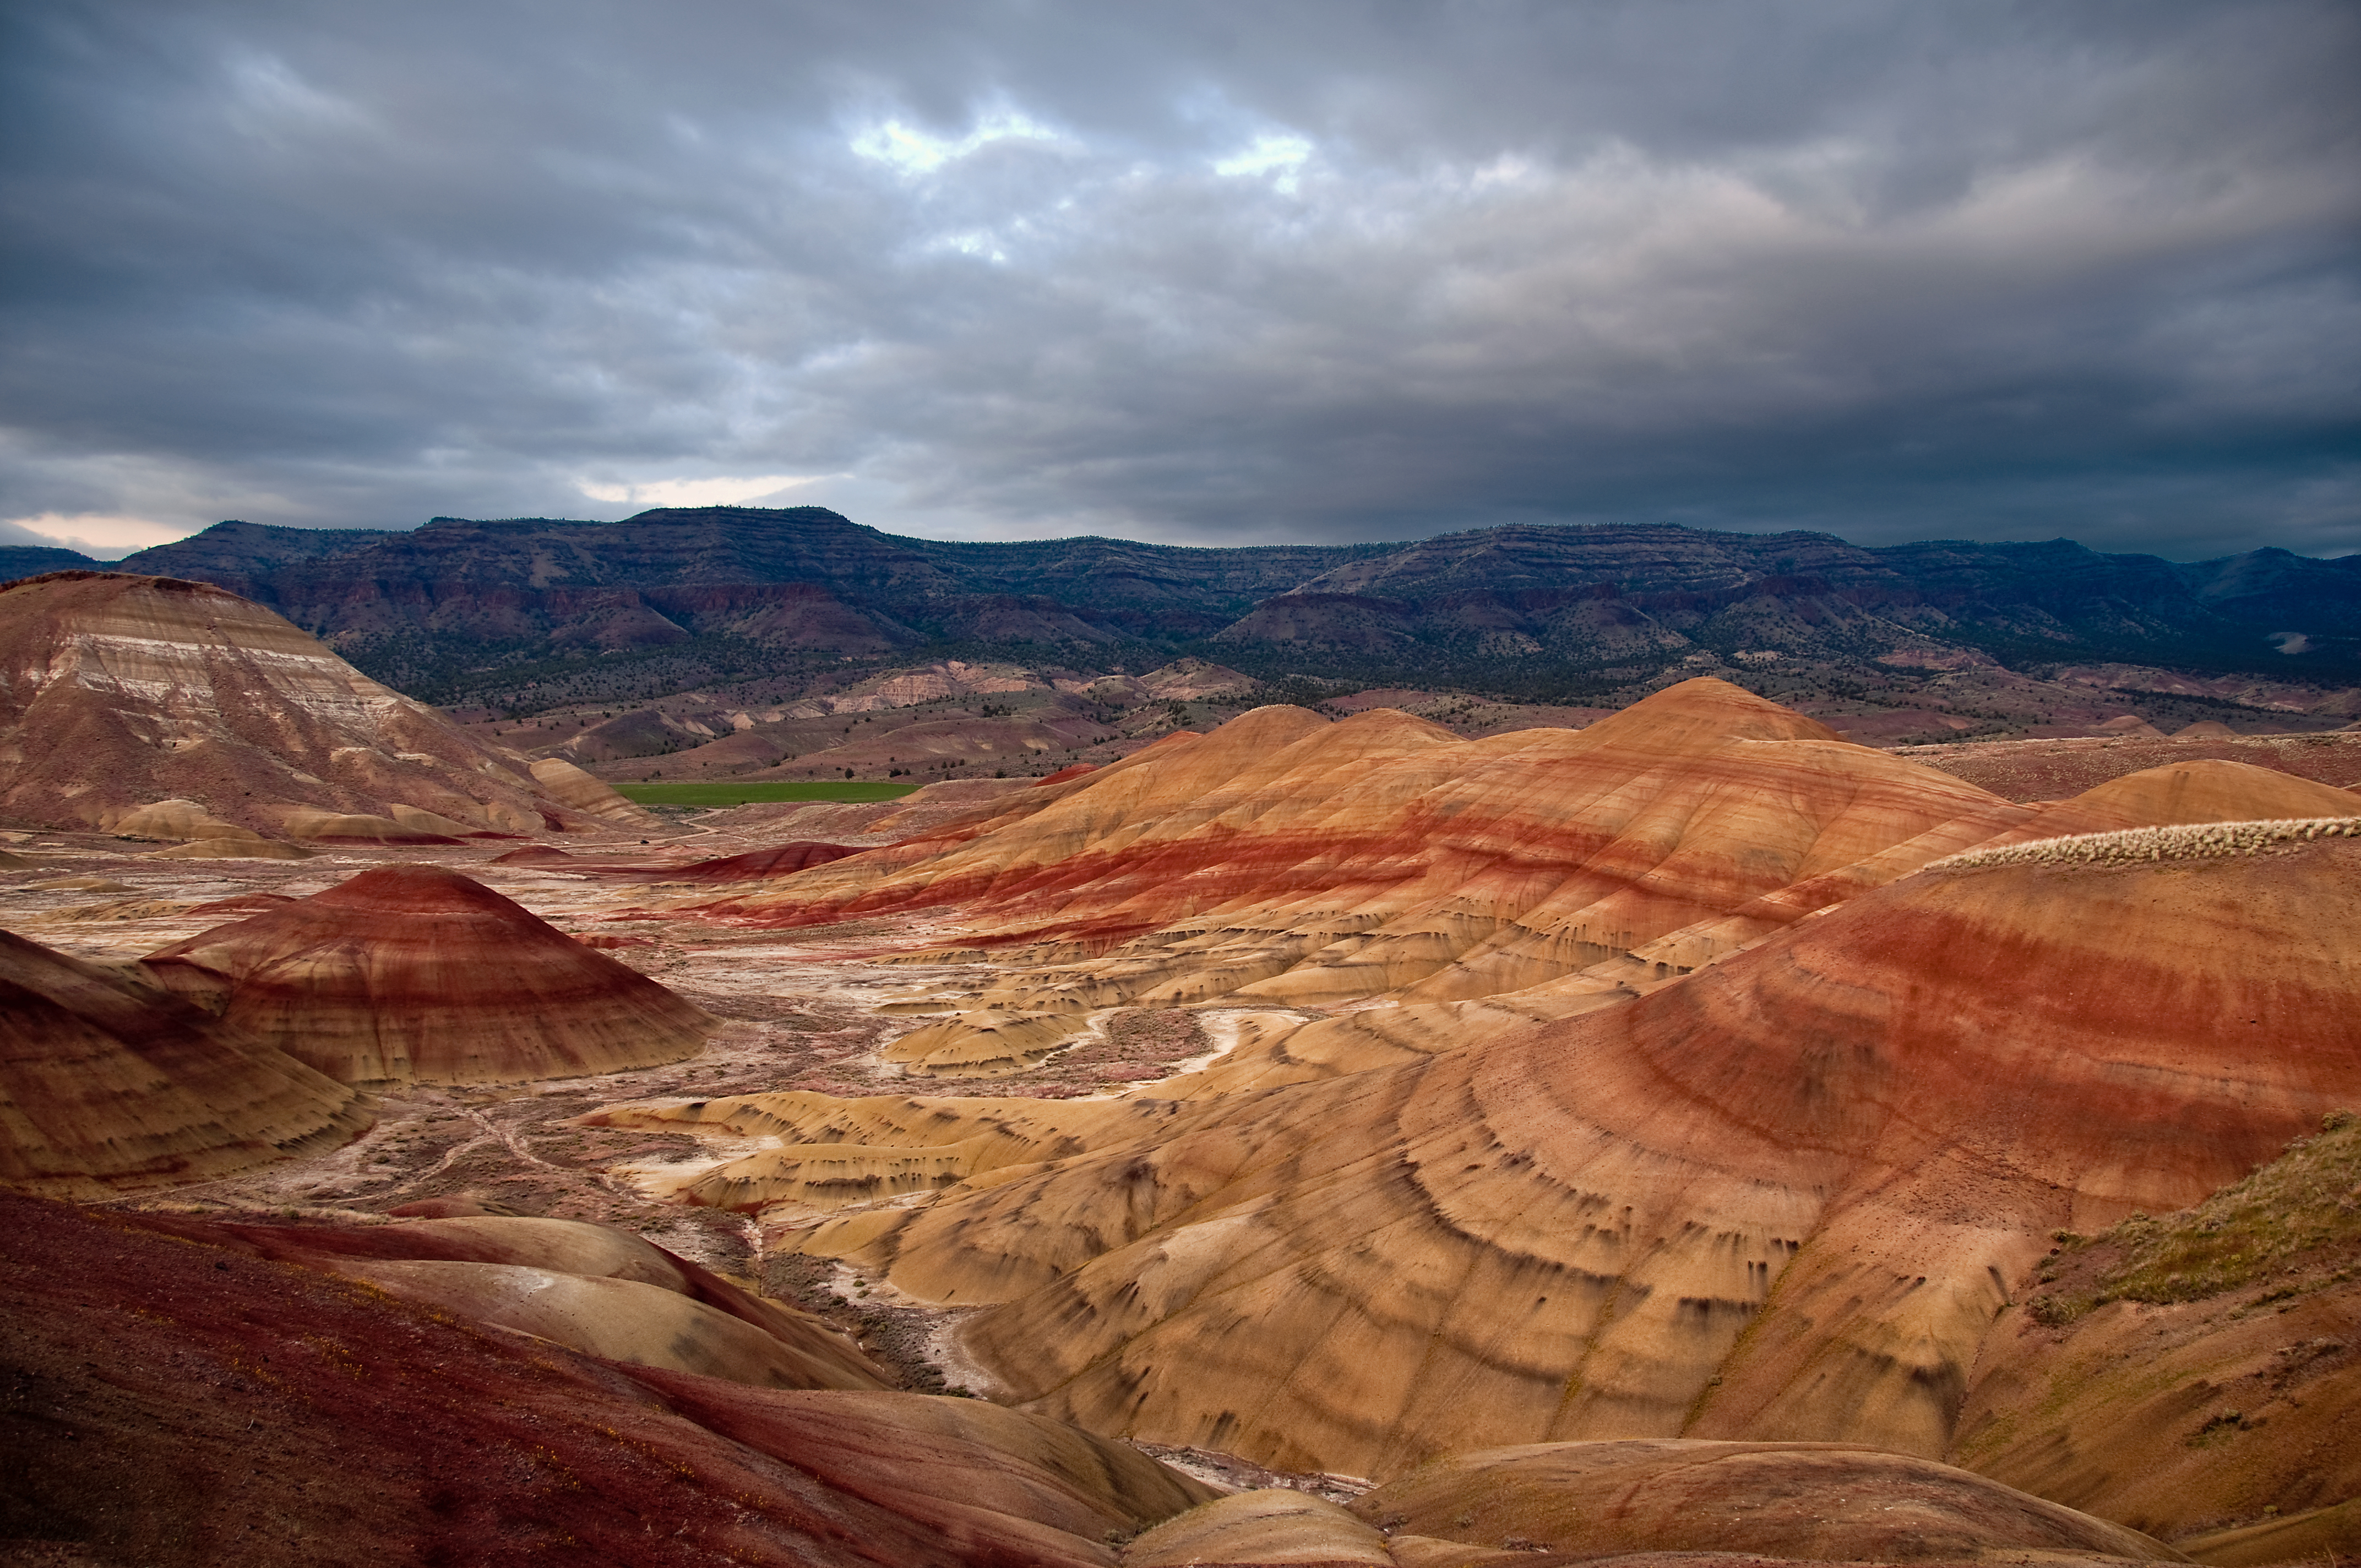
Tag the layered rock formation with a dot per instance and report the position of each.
(1286, 859)
(1785, 1196)
(414, 973)
(129, 702)
(105, 1087)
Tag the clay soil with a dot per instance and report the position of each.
(798, 1014)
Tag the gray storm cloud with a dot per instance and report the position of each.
(1195, 273)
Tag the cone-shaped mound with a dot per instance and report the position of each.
(105, 1091)
(147, 699)
(1702, 713)
(1785, 1196)
(414, 974)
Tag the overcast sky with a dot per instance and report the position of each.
(1197, 272)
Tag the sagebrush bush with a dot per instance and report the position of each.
(2136, 846)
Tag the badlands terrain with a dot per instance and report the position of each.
(1404, 1129)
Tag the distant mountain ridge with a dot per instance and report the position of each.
(722, 590)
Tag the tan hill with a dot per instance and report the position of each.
(128, 691)
(2196, 1371)
(1814, 1502)
(2051, 769)
(588, 1286)
(1787, 1196)
(1287, 858)
(105, 1088)
(414, 973)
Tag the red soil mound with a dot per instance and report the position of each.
(416, 973)
(104, 1088)
(190, 1405)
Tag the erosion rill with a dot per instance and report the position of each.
(1690, 1134)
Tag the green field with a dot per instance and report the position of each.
(727, 794)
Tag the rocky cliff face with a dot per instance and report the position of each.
(736, 590)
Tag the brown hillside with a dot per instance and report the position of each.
(124, 691)
(2198, 1370)
(189, 1404)
(105, 1090)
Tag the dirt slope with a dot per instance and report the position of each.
(119, 691)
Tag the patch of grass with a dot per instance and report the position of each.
(2307, 1200)
(723, 793)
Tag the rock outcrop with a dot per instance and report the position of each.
(105, 1087)
(414, 973)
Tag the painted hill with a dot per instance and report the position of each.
(105, 1088)
(414, 973)
(427, 1436)
(126, 691)
(1788, 1196)
(1286, 860)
